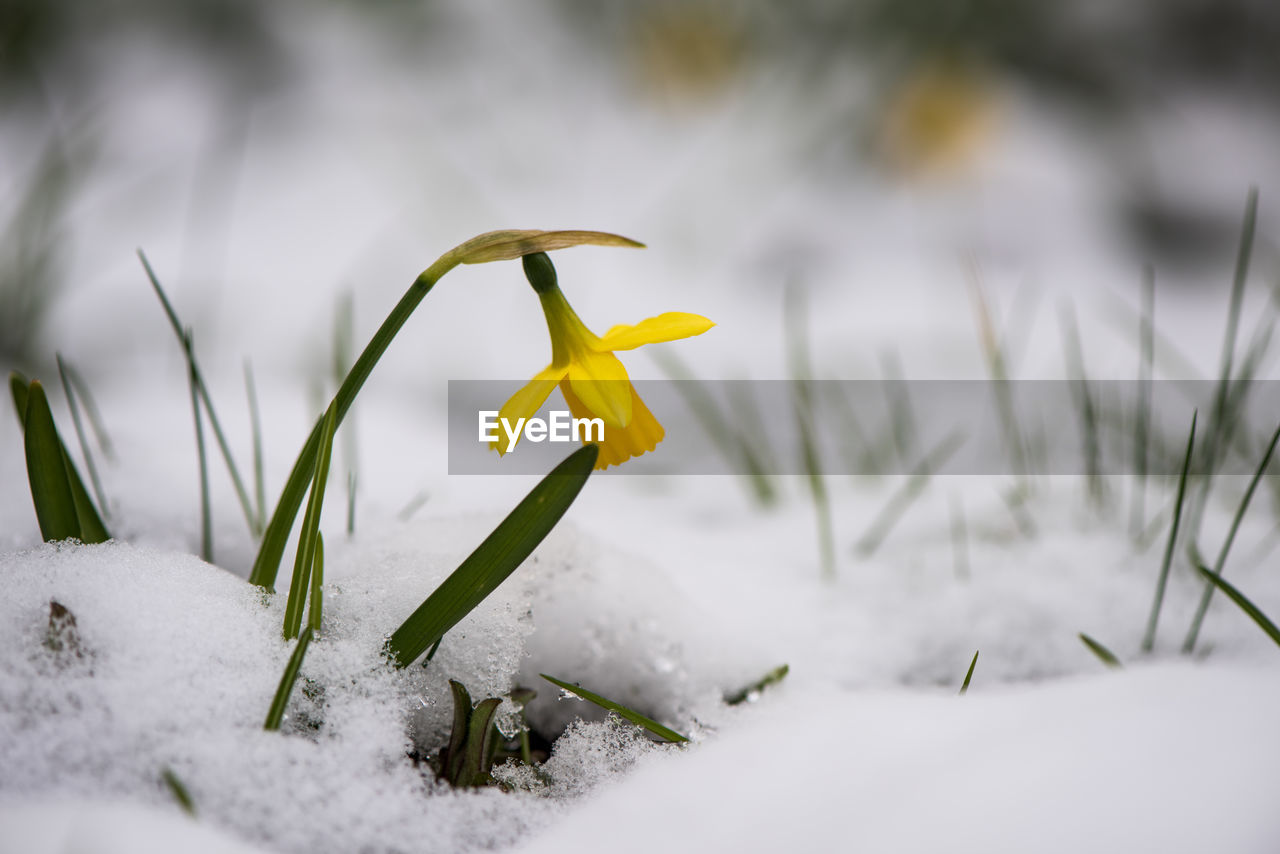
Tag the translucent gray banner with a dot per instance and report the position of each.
(944, 427)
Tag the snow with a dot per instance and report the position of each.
(1173, 757)
(663, 593)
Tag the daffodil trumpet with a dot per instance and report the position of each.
(593, 381)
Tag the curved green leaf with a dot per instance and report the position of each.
(494, 559)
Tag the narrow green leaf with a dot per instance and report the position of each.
(458, 734)
(773, 677)
(255, 425)
(46, 472)
(92, 529)
(906, 494)
(300, 585)
(1240, 599)
(202, 458)
(1149, 639)
(635, 717)
(797, 335)
(64, 373)
(1142, 418)
(494, 559)
(1189, 644)
(276, 713)
(968, 676)
(197, 378)
(477, 755)
(179, 791)
(1104, 655)
(316, 610)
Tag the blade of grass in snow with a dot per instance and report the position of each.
(414, 505)
(206, 510)
(255, 425)
(305, 556)
(959, 537)
(901, 420)
(968, 676)
(1254, 612)
(275, 714)
(184, 339)
(494, 559)
(1084, 403)
(797, 335)
(91, 410)
(998, 370)
(91, 528)
(179, 791)
(343, 353)
(316, 609)
(1142, 417)
(752, 691)
(1015, 501)
(633, 716)
(1222, 419)
(738, 452)
(1219, 565)
(46, 473)
(80, 436)
(351, 504)
(492, 246)
(1149, 639)
(1104, 655)
(902, 499)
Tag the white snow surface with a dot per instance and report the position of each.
(664, 594)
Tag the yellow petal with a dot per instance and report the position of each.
(525, 402)
(621, 444)
(600, 381)
(664, 327)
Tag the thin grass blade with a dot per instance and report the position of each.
(797, 335)
(1142, 418)
(179, 791)
(184, 339)
(1149, 639)
(316, 610)
(46, 472)
(1104, 655)
(67, 387)
(773, 677)
(275, 714)
(1219, 565)
(206, 507)
(300, 584)
(902, 499)
(1232, 593)
(968, 676)
(255, 425)
(633, 716)
(494, 559)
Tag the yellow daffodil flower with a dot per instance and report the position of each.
(593, 381)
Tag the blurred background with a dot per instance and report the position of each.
(288, 168)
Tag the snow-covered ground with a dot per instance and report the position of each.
(664, 594)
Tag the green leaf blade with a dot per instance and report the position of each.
(46, 472)
(1232, 593)
(275, 714)
(618, 709)
(494, 559)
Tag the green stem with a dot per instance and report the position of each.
(276, 535)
